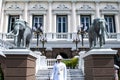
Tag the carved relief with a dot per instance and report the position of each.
(109, 9)
(62, 9)
(13, 6)
(62, 6)
(108, 6)
(38, 6)
(85, 7)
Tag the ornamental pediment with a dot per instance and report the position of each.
(109, 9)
(13, 6)
(37, 7)
(62, 7)
(85, 7)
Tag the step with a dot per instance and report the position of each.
(72, 74)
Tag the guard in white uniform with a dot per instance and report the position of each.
(59, 70)
(116, 67)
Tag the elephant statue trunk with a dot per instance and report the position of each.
(22, 34)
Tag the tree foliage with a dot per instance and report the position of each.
(71, 63)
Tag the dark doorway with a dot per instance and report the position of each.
(64, 55)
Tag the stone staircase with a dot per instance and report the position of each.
(72, 74)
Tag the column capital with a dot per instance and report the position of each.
(73, 1)
(97, 1)
(50, 1)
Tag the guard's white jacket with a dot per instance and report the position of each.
(59, 71)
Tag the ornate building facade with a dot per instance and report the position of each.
(60, 20)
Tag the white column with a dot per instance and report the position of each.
(44, 24)
(54, 24)
(119, 15)
(2, 19)
(97, 9)
(78, 22)
(1, 7)
(26, 12)
(81, 60)
(117, 23)
(92, 17)
(69, 28)
(1, 4)
(74, 26)
(30, 20)
(50, 17)
(102, 16)
(5, 24)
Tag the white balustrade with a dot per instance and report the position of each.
(81, 60)
(50, 63)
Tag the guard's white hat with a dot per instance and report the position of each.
(116, 66)
(59, 57)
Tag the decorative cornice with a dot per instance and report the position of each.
(39, 12)
(86, 12)
(15, 12)
(61, 11)
(109, 12)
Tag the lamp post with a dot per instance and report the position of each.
(81, 31)
(43, 40)
(76, 40)
(37, 29)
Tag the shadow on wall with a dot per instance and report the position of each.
(64, 55)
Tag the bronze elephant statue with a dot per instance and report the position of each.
(97, 32)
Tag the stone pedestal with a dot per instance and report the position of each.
(38, 55)
(99, 64)
(20, 64)
(81, 60)
(2, 63)
(43, 63)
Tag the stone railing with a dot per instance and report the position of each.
(5, 44)
(57, 36)
(50, 63)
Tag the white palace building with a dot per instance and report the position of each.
(60, 20)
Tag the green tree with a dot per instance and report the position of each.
(71, 63)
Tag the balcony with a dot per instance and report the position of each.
(58, 36)
(60, 40)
